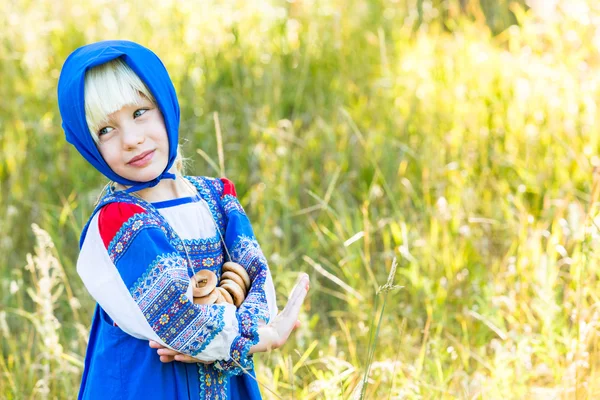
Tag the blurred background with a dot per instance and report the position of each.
(454, 139)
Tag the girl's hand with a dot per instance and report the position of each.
(167, 355)
(277, 332)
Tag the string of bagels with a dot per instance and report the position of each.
(232, 288)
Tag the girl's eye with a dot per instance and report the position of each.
(104, 131)
(139, 113)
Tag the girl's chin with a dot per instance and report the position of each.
(144, 174)
(139, 178)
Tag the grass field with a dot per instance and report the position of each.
(461, 142)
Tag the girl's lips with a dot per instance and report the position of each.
(142, 160)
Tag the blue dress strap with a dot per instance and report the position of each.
(208, 189)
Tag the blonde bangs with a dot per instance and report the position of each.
(108, 88)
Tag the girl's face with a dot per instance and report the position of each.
(134, 142)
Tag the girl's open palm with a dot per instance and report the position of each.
(276, 333)
(271, 336)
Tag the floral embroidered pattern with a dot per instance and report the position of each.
(203, 246)
(231, 204)
(256, 301)
(206, 254)
(213, 383)
(130, 229)
(217, 184)
(239, 360)
(244, 251)
(153, 280)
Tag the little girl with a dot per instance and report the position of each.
(151, 232)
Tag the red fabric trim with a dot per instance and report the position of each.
(112, 217)
(228, 187)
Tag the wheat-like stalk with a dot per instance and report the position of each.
(47, 288)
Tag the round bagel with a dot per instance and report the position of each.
(204, 282)
(231, 282)
(236, 292)
(239, 270)
(236, 278)
(226, 296)
(209, 299)
(220, 298)
(225, 280)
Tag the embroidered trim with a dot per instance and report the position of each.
(160, 294)
(231, 204)
(213, 383)
(206, 188)
(248, 315)
(253, 309)
(129, 231)
(239, 352)
(256, 301)
(206, 245)
(205, 254)
(244, 251)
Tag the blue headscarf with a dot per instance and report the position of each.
(71, 100)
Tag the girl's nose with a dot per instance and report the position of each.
(133, 136)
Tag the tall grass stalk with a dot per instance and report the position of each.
(374, 333)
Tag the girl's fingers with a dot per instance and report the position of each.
(187, 359)
(167, 355)
(155, 345)
(299, 291)
(182, 358)
(292, 308)
(167, 352)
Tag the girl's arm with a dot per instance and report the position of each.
(258, 308)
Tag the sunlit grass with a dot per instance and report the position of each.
(356, 133)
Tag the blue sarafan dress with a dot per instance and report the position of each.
(137, 260)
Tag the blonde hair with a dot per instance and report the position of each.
(108, 88)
